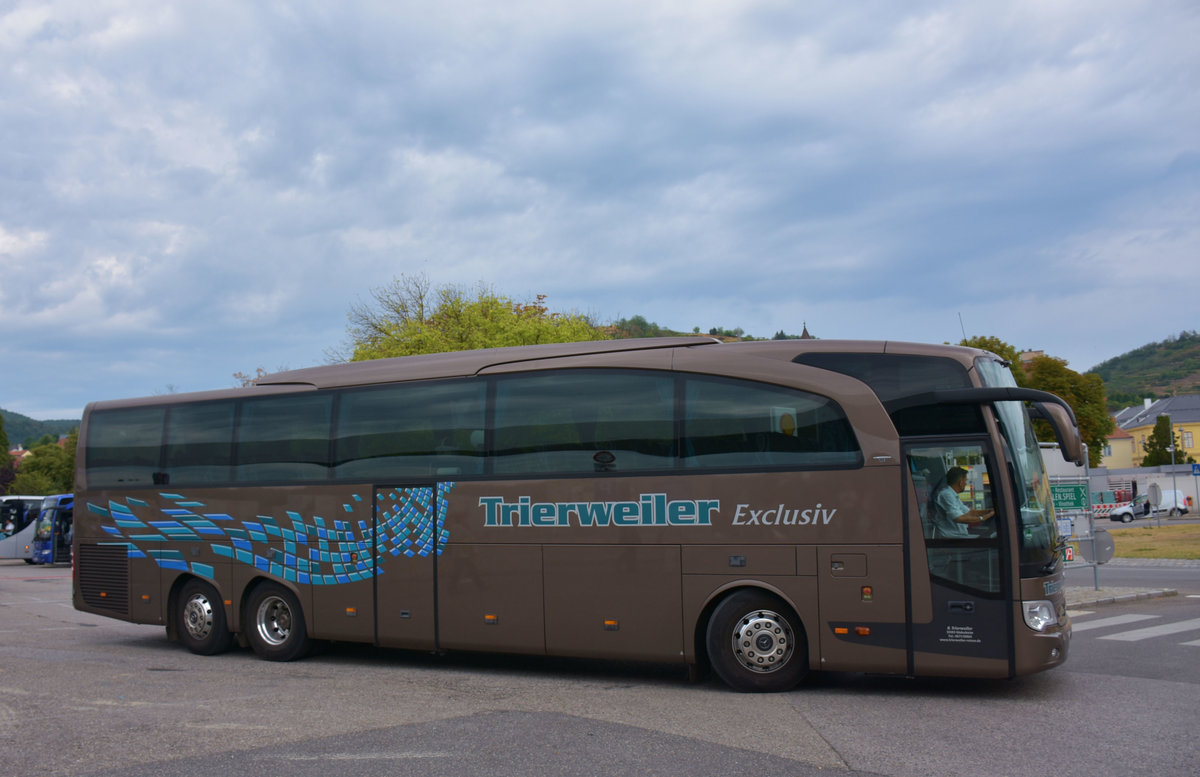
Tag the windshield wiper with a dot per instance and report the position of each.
(1052, 564)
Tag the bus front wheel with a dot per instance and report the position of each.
(756, 643)
(275, 624)
(200, 619)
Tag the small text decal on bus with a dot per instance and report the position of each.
(783, 516)
(649, 510)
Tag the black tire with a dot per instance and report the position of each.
(200, 619)
(274, 624)
(756, 643)
(1126, 517)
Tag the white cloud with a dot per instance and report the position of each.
(15, 244)
(193, 189)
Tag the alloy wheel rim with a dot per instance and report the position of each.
(274, 620)
(198, 616)
(763, 641)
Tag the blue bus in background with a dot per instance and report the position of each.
(18, 522)
(55, 528)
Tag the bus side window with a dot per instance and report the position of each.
(124, 446)
(734, 423)
(584, 421)
(411, 430)
(284, 438)
(199, 445)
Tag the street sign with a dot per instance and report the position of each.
(1069, 496)
(1196, 470)
(1099, 549)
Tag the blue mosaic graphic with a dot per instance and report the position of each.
(311, 550)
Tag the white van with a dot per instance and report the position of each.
(1173, 502)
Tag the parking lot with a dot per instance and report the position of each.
(84, 695)
(103, 695)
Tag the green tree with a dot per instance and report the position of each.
(403, 302)
(409, 317)
(34, 483)
(1157, 446)
(1002, 349)
(45, 439)
(48, 469)
(638, 326)
(1084, 393)
(6, 462)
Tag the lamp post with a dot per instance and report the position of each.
(1174, 490)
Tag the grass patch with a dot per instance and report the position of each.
(1154, 542)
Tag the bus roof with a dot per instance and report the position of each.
(467, 363)
(457, 364)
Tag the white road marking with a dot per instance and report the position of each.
(1155, 631)
(1116, 620)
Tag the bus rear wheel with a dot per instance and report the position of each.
(756, 643)
(200, 619)
(275, 624)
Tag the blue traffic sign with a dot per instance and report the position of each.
(1196, 470)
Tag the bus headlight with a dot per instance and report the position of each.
(1039, 614)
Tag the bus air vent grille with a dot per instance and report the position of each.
(104, 577)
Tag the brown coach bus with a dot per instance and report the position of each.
(763, 508)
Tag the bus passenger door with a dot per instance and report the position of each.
(959, 586)
(408, 535)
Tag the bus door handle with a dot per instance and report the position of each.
(960, 606)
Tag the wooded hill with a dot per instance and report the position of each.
(1155, 370)
(23, 430)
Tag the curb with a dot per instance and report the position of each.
(1089, 598)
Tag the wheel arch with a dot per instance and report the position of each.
(298, 642)
(722, 592)
(173, 602)
(257, 580)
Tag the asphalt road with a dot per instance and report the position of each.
(82, 695)
(1181, 576)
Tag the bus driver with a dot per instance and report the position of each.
(951, 518)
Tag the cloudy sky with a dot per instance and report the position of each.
(192, 189)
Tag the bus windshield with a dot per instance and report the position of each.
(1038, 535)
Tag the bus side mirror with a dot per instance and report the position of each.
(1069, 441)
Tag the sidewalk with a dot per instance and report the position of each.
(1087, 596)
